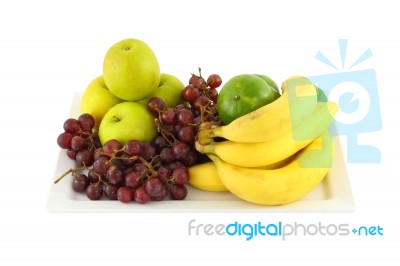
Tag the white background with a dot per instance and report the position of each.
(49, 50)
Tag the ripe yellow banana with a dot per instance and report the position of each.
(282, 185)
(279, 164)
(205, 177)
(267, 122)
(269, 152)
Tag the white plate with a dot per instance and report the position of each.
(333, 194)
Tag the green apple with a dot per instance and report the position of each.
(97, 99)
(127, 121)
(169, 89)
(131, 70)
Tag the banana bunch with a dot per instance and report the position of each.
(274, 155)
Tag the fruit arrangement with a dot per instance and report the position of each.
(143, 135)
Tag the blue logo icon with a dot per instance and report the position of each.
(356, 93)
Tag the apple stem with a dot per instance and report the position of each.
(116, 119)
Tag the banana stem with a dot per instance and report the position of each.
(199, 147)
(204, 137)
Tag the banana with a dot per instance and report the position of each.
(267, 122)
(282, 185)
(205, 177)
(279, 164)
(269, 152)
(284, 86)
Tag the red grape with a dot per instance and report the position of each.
(133, 179)
(155, 105)
(168, 116)
(160, 142)
(176, 164)
(185, 117)
(80, 182)
(71, 154)
(178, 192)
(149, 150)
(140, 195)
(115, 176)
(163, 194)
(197, 81)
(203, 100)
(110, 191)
(181, 176)
(180, 149)
(190, 159)
(125, 194)
(214, 81)
(164, 173)
(71, 125)
(111, 146)
(190, 93)
(84, 158)
(94, 191)
(153, 186)
(133, 148)
(78, 143)
(167, 155)
(97, 153)
(187, 134)
(180, 107)
(140, 168)
(213, 95)
(87, 122)
(64, 140)
(101, 166)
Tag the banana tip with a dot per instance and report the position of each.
(199, 147)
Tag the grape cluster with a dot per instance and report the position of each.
(142, 171)
(131, 172)
(178, 126)
(79, 139)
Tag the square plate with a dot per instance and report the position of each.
(333, 194)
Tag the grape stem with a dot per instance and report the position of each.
(164, 132)
(71, 170)
(149, 166)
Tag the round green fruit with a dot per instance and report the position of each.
(127, 121)
(97, 100)
(269, 81)
(131, 70)
(243, 94)
(169, 89)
